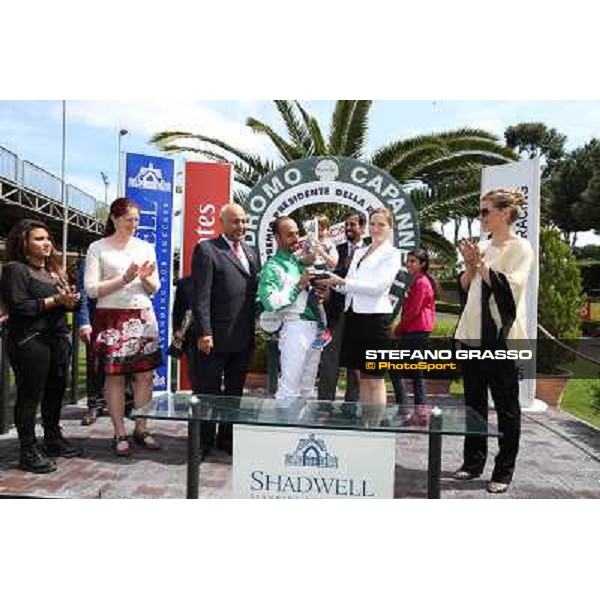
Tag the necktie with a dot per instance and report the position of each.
(351, 249)
(237, 250)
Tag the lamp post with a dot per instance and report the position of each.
(105, 182)
(63, 187)
(122, 132)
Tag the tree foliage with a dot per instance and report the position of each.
(559, 299)
(447, 164)
(575, 190)
(536, 139)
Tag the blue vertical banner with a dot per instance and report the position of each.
(149, 182)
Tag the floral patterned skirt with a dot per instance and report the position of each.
(125, 341)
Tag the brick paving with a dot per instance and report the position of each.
(559, 458)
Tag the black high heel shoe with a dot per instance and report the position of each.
(142, 438)
(121, 451)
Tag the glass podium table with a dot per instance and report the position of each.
(432, 421)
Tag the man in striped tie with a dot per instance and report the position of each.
(224, 282)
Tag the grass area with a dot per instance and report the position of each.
(445, 324)
(580, 400)
(81, 376)
(580, 397)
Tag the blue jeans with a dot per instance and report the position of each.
(317, 307)
(412, 341)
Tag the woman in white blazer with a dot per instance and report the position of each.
(367, 305)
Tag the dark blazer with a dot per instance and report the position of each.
(335, 306)
(224, 294)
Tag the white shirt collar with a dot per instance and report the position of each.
(229, 241)
(242, 257)
(356, 246)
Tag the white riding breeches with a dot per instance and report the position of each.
(298, 361)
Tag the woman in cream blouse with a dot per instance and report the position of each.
(497, 271)
(120, 271)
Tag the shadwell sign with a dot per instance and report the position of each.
(286, 463)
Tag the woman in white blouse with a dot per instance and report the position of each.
(497, 271)
(367, 304)
(121, 273)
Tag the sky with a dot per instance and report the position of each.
(33, 128)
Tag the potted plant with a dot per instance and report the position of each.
(559, 308)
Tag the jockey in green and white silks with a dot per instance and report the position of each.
(278, 292)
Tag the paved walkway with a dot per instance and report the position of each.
(559, 458)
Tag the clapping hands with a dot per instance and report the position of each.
(143, 271)
(146, 270)
(131, 273)
(470, 252)
(68, 297)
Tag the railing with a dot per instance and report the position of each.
(81, 201)
(9, 164)
(39, 180)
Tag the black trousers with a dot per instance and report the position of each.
(94, 381)
(329, 368)
(191, 353)
(412, 341)
(220, 373)
(41, 377)
(501, 378)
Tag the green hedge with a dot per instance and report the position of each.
(447, 307)
(559, 299)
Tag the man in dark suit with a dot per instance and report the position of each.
(94, 381)
(224, 283)
(330, 359)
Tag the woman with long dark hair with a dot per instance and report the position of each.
(416, 322)
(36, 294)
(121, 273)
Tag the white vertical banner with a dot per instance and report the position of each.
(524, 175)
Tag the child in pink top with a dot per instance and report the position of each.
(416, 323)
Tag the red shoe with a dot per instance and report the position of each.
(322, 340)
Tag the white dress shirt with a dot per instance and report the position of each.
(241, 255)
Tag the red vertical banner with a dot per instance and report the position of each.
(207, 190)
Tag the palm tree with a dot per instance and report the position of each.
(439, 168)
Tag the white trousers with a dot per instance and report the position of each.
(298, 361)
